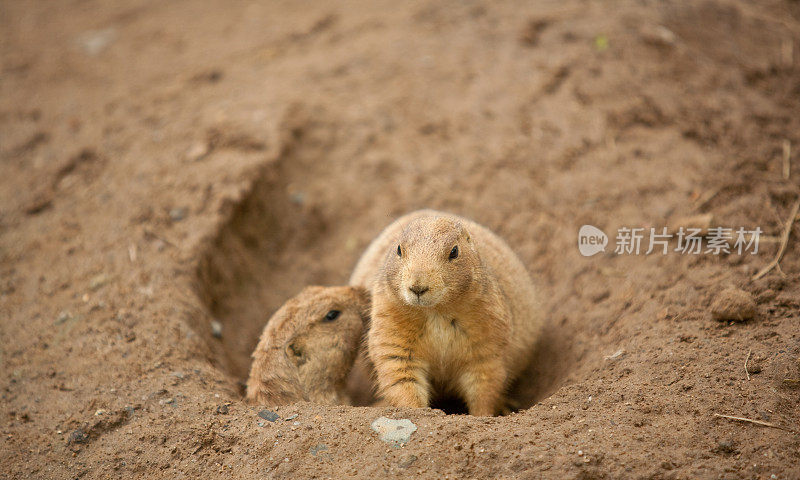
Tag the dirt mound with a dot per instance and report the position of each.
(167, 188)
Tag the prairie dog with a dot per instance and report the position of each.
(308, 347)
(454, 311)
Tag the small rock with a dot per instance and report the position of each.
(733, 304)
(198, 151)
(659, 36)
(614, 355)
(63, 317)
(291, 417)
(727, 447)
(407, 461)
(177, 214)
(216, 329)
(98, 281)
(77, 436)
(754, 368)
(317, 449)
(95, 41)
(394, 431)
(268, 415)
(222, 409)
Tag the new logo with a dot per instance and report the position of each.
(591, 240)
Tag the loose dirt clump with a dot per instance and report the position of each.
(733, 304)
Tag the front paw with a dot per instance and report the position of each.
(407, 393)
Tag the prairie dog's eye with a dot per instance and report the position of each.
(331, 316)
(399, 252)
(454, 252)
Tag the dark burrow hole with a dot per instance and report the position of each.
(451, 405)
(289, 232)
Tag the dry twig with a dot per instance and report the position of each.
(750, 420)
(784, 241)
(745, 363)
(703, 200)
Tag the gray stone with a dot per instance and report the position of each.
(63, 317)
(317, 449)
(268, 415)
(177, 214)
(394, 431)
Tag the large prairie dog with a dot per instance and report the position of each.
(308, 347)
(454, 312)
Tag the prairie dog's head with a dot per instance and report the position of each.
(434, 262)
(309, 345)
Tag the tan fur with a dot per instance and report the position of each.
(469, 334)
(301, 357)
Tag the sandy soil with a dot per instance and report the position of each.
(167, 165)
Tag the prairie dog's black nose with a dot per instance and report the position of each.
(418, 290)
(295, 350)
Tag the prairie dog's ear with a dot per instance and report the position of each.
(460, 227)
(364, 299)
(295, 352)
(362, 294)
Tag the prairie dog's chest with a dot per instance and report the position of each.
(443, 343)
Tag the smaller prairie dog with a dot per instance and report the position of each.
(454, 312)
(308, 347)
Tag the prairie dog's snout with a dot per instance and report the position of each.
(429, 267)
(416, 285)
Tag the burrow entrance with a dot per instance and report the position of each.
(305, 221)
